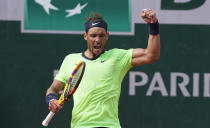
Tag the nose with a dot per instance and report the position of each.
(98, 39)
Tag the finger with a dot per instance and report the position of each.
(57, 105)
(143, 10)
(154, 18)
(152, 14)
(147, 20)
(149, 13)
(53, 106)
(53, 109)
(62, 104)
(143, 14)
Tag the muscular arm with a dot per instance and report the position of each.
(152, 52)
(55, 87)
(148, 55)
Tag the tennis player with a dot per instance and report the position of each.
(96, 99)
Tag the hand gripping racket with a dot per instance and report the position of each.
(70, 87)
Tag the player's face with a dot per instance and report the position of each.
(96, 40)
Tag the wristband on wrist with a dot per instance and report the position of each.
(50, 97)
(154, 28)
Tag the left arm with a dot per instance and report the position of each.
(152, 52)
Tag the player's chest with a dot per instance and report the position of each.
(100, 69)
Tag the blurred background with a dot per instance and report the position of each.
(174, 92)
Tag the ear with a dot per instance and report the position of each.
(85, 35)
(107, 35)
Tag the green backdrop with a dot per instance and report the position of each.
(27, 62)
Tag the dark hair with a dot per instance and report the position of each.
(94, 16)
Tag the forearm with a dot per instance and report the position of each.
(153, 48)
(53, 90)
(52, 96)
(148, 55)
(55, 87)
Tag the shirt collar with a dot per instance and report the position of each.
(83, 55)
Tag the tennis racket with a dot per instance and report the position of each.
(69, 90)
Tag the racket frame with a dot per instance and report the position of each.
(62, 99)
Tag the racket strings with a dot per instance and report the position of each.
(73, 83)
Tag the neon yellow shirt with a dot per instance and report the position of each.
(97, 97)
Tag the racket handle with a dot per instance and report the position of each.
(48, 119)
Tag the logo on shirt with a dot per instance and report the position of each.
(102, 61)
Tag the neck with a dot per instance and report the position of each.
(90, 54)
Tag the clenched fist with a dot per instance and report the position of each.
(149, 16)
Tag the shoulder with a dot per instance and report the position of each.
(73, 55)
(117, 51)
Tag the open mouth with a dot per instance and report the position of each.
(97, 47)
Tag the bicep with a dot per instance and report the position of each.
(55, 87)
(148, 55)
(139, 57)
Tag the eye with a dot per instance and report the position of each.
(102, 35)
(93, 35)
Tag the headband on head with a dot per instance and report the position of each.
(95, 23)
